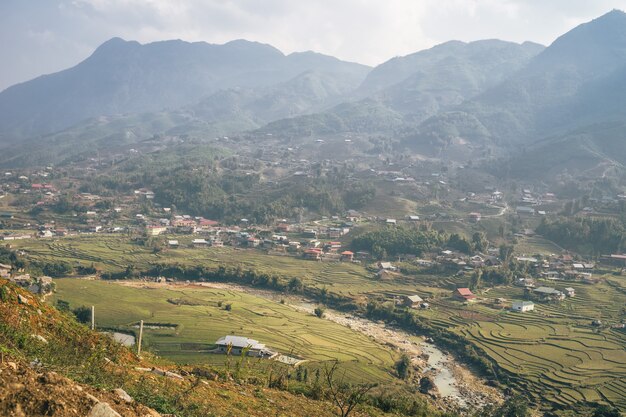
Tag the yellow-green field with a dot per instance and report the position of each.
(115, 252)
(200, 322)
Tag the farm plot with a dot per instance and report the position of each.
(187, 325)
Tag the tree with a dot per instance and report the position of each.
(319, 312)
(476, 279)
(295, 285)
(480, 242)
(605, 411)
(403, 366)
(83, 314)
(505, 252)
(344, 395)
(459, 243)
(63, 306)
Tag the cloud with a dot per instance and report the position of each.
(51, 35)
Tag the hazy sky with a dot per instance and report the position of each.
(44, 36)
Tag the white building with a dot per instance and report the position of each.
(523, 306)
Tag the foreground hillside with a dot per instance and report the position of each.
(42, 347)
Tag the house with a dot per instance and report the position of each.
(235, 345)
(413, 218)
(155, 230)
(387, 266)
(525, 211)
(525, 282)
(313, 254)
(310, 233)
(523, 306)
(200, 243)
(464, 294)
(347, 256)
(206, 223)
(412, 301)
(391, 222)
(570, 292)
(474, 217)
(253, 242)
(173, 243)
(550, 293)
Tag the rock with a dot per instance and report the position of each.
(40, 338)
(12, 365)
(22, 300)
(18, 411)
(51, 378)
(166, 373)
(16, 386)
(173, 375)
(36, 364)
(92, 398)
(123, 395)
(103, 410)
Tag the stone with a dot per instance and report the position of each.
(103, 410)
(123, 395)
(51, 378)
(40, 338)
(92, 398)
(22, 300)
(12, 365)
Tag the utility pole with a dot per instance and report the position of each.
(140, 337)
(93, 317)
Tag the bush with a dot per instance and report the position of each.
(319, 312)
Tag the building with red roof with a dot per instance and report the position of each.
(464, 294)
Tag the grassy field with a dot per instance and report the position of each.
(200, 322)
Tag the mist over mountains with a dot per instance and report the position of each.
(456, 101)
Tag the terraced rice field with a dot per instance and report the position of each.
(553, 353)
(201, 321)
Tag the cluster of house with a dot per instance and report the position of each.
(542, 294)
(557, 268)
(313, 242)
(465, 263)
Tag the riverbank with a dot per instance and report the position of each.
(457, 387)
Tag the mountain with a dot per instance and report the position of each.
(405, 91)
(127, 77)
(447, 74)
(573, 83)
